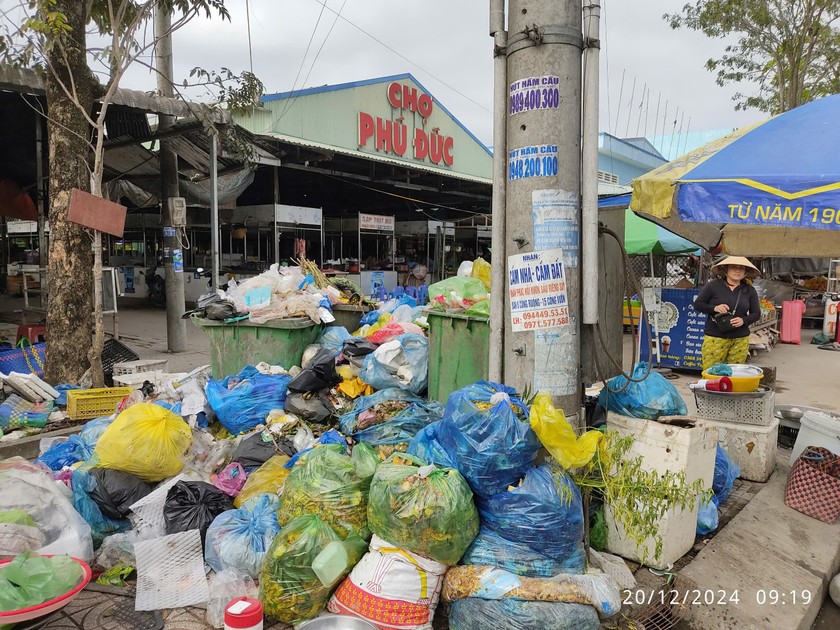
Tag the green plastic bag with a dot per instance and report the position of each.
(324, 482)
(17, 517)
(457, 292)
(365, 460)
(424, 509)
(30, 579)
(289, 587)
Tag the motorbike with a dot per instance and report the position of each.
(155, 287)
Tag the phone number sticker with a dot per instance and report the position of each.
(537, 291)
(534, 93)
(535, 161)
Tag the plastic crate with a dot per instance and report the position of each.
(143, 365)
(743, 408)
(83, 404)
(116, 352)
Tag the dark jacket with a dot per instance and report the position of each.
(718, 292)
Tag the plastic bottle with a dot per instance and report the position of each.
(722, 384)
(244, 613)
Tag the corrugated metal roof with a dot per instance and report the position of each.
(375, 157)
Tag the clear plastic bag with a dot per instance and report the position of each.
(489, 548)
(267, 479)
(649, 399)
(473, 613)
(707, 517)
(402, 363)
(239, 539)
(225, 586)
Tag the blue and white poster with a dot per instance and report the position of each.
(679, 329)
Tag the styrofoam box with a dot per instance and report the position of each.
(750, 446)
(663, 448)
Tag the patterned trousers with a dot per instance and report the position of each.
(717, 350)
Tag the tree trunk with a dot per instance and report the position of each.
(69, 320)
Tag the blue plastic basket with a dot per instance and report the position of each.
(25, 359)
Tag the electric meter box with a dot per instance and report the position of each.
(178, 211)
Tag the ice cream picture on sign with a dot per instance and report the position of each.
(537, 290)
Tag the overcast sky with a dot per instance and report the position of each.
(445, 45)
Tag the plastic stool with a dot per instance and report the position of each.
(34, 332)
(411, 292)
(422, 294)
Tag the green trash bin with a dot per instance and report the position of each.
(349, 315)
(278, 342)
(459, 350)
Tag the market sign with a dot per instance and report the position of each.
(537, 291)
(393, 136)
(377, 222)
(297, 215)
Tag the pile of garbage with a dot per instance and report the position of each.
(332, 487)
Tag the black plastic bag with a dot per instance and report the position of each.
(315, 407)
(358, 347)
(318, 374)
(255, 450)
(115, 491)
(193, 505)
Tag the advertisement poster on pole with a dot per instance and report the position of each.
(555, 216)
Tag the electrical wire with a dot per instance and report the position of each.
(306, 52)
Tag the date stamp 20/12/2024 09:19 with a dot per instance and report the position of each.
(716, 597)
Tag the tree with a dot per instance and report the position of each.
(53, 39)
(790, 49)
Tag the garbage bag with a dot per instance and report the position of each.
(193, 505)
(289, 588)
(594, 588)
(30, 488)
(83, 485)
(67, 453)
(324, 482)
(425, 445)
(422, 508)
(486, 433)
(243, 401)
(707, 517)
(649, 399)
(384, 589)
(224, 587)
(18, 533)
(726, 472)
(318, 374)
(259, 447)
(333, 339)
(267, 479)
(145, 440)
(389, 416)
(116, 491)
(357, 347)
(94, 429)
(457, 292)
(312, 407)
(481, 269)
(330, 437)
(230, 479)
(365, 460)
(473, 613)
(403, 363)
(239, 539)
(558, 436)
(489, 548)
(545, 513)
(29, 580)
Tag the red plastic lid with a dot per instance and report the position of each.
(243, 612)
(725, 384)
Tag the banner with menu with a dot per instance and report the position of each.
(680, 331)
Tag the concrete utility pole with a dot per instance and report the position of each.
(542, 199)
(176, 328)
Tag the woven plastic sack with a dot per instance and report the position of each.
(649, 399)
(813, 485)
(415, 414)
(545, 513)
(30, 488)
(473, 613)
(425, 445)
(145, 440)
(193, 505)
(243, 401)
(289, 589)
(726, 472)
(324, 482)
(25, 359)
(485, 432)
(239, 539)
(267, 479)
(423, 509)
(558, 436)
(489, 548)
(402, 363)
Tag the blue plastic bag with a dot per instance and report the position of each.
(707, 517)
(94, 429)
(100, 525)
(473, 613)
(648, 399)
(493, 447)
(414, 358)
(62, 454)
(545, 513)
(425, 445)
(333, 338)
(402, 427)
(491, 549)
(240, 538)
(726, 471)
(244, 406)
(62, 390)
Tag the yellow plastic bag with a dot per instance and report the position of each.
(267, 479)
(481, 270)
(145, 440)
(558, 436)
